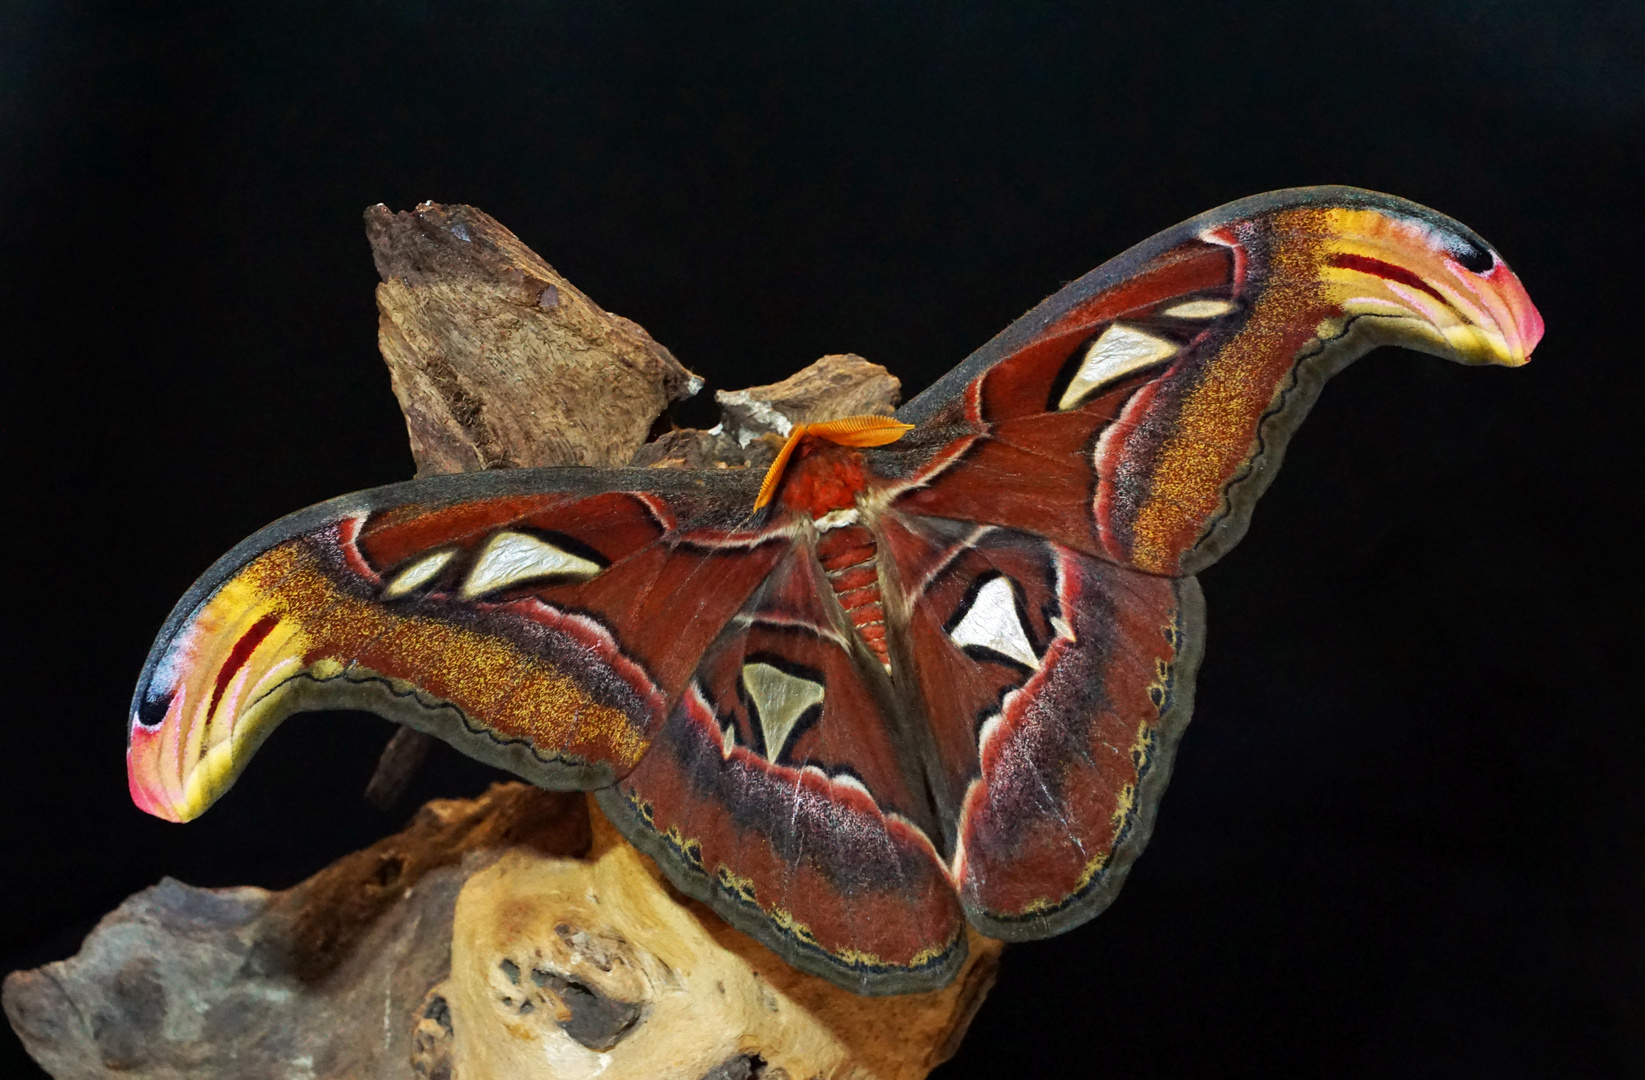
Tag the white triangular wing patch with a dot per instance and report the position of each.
(1199, 309)
(992, 622)
(1120, 351)
(510, 558)
(781, 699)
(418, 573)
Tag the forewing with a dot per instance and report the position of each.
(541, 620)
(1139, 413)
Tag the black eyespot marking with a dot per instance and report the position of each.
(152, 712)
(1475, 258)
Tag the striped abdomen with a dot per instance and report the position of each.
(848, 557)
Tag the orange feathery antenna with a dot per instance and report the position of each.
(849, 431)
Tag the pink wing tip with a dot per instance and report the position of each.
(1530, 325)
(142, 775)
(1526, 332)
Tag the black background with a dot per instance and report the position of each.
(1405, 836)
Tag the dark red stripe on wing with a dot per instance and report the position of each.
(238, 656)
(1377, 268)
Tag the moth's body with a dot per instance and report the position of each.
(830, 484)
(932, 670)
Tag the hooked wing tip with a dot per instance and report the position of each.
(145, 776)
(1428, 282)
(1524, 328)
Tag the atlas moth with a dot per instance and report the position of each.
(926, 671)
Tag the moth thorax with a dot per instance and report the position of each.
(848, 556)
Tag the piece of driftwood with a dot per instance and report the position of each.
(500, 362)
(400, 760)
(755, 421)
(329, 978)
(489, 939)
(598, 968)
(843, 384)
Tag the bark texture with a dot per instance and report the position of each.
(839, 385)
(500, 362)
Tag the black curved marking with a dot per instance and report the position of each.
(151, 713)
(1476, 260)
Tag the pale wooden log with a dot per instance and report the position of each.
(493, 938)
(573, 969)
(365, 970)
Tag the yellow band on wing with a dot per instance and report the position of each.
(1390, 267)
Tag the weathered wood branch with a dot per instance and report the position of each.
(500, 362)
(517, 935)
